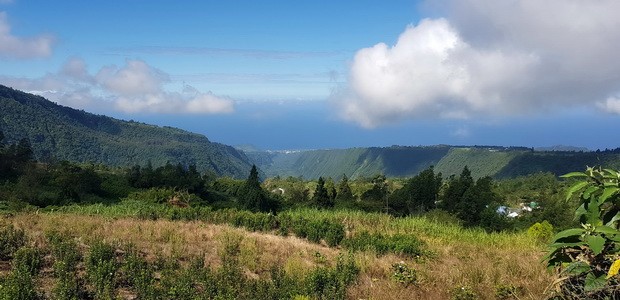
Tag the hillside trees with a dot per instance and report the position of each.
(252, 196)
(418, 195)
(344, 192)
(321, 197)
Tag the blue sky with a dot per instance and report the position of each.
(329, 74)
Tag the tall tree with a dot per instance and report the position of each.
(457, 187)
(344, 190)
(321, 197)
(253, 197)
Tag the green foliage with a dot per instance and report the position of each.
(344, 192)
(404, 274)
(18, 285)
(79, 136)
(399, 244)
(584, 255)
(321, 198)
(541, 231)
(463, 293)
(419, 194)
(28, 259)
(252, 196)
(66, 258)
(327, 283)
(11, 239)
(101, 268)
(507, 291)
(138, 274)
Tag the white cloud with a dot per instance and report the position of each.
(22, 48)
(132, 88)
(488, 59)
(611, 105)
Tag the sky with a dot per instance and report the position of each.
(329, 74)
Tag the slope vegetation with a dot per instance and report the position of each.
(399, 161)
(62, 133)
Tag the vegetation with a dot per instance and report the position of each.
(400, 161)
(62, 133)
(588, 256)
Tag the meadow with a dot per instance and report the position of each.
(188, 254)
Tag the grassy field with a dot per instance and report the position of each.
(455, 263)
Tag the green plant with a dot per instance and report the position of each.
(11, 239)
(463, 293)
(541, 231)
(402, 273)
(18, 285)
(66, 258)
(507, 291)
(584, 256)
(28, 259)
(101, 268)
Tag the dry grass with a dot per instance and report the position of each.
(460, 257)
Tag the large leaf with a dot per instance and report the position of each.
(596, 243)
(594, 283)
(608, 192)
(574, 174)
(577, 267)
(580, 211)
(594, 214)
(606, 230)
(586, 194)
(573, 232)
(577, 186)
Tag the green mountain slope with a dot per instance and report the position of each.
(398, 161)
(59, 132)
(393, 161)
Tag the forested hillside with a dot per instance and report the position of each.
(61, 133)
(400, 161)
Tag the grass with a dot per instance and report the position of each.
(454, 257)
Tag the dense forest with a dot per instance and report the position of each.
(405, 161)
(62, 133)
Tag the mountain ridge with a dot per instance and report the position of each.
(63, 133)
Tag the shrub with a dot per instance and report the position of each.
(27, 259)
(101, 268)
(399, 243)
(139, 274)
(66, 258)
(11, 239)
(402, 273)
(18, 285)
(507, 291)
(463, 293)
(541, 231)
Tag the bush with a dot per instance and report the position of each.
(66, 258)
(18, 285)
(401, 273)
(11, 239)
(101, 268)
(27, 259)
(399, 244)
(541, 231)
(463, 293)
(139, 274)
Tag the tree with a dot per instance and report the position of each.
(321, 196)
(253, 197)
(344, 190)
(453, 195)
(419, 193)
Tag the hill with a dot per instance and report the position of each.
(402, 161)
(63, 133)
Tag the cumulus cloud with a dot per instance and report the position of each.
(132, 88)
(489, 58)
(18, 47)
